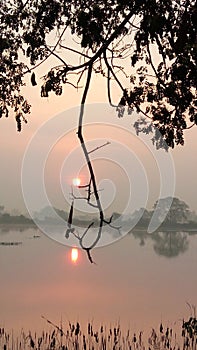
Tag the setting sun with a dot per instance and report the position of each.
(76, 181)
(74, 255)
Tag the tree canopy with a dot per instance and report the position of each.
(157, 38)
(178, 211)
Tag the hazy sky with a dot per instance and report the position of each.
(121, 167)
(36, 278)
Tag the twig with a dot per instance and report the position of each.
(54, 325)
(95, 149)
(75, 51)
(85, 232)
(56, 55)
(89, 255)
(122, 88)
(152, 65)
(51, 51)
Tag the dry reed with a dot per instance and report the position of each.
(74, 338)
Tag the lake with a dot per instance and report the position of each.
(139, 281)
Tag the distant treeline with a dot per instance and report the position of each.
(171, 214)
(15, 219)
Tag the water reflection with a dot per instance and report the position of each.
(16, 228)
(164, 243)
(130, 280)
(170, 244)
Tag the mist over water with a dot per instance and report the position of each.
(139, 281)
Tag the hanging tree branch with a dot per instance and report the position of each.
(89, 164)
(92, 181)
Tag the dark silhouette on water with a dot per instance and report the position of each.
(69, 222)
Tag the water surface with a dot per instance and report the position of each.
(139, 281)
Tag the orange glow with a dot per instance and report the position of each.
(74, 255)
(76, 181)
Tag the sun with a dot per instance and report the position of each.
(74, 255)
(76, 181)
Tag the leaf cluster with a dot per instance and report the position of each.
(161, 39)
(169, 97)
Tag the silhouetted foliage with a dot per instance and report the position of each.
(6, 218)
(178, 211)
(158, 37)
(1, 209)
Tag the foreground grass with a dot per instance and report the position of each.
(73, 338)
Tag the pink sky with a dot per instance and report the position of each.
(14, 145)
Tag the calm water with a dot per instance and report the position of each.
(140, 281)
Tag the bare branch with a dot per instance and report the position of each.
(108, 222)
(105, 45)
(95, 149)
(89, 255)
(191, 126)
(75, 51)
(152, 65)
(121, 86)
(51, 52)
(56, 55)
(83, 186)
(109, 89)
(69, 223)
(76, 87)
(85, 232)
(81, 74)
